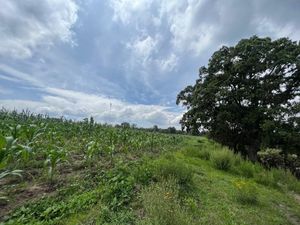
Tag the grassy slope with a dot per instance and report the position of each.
(219, 204)
(211, 199)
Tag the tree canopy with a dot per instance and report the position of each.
(248, 96)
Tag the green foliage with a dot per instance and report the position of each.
(51, 210)
(54, 156)
(92, 150)
(275, 158)
(233, 94)
(107, 216)
(134, 178)
(143, 173)
(118, 189)
(222, 159)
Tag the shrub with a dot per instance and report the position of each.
(222, 159)
(161, 204)
(271, 157)
(166, 169)
(274, 158)
(245, 169)
(246, 192)
(198, 153)
(204, 154)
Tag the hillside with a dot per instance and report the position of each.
(62, 172)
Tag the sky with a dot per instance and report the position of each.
(122, 60)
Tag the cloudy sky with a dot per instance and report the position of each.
(122, 60)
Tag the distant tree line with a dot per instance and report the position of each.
(155, 128)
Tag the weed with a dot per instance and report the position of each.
(201, 153)
(246, 192)
(166, 169)
(118, 187)
(265, 178)
(162, 205)
(222, 159)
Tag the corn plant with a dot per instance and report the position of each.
(54, 157)
(8, 146)
(11, 151)
(15, 130)
(93, 149)
(33, 131)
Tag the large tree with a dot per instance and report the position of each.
(248, 96)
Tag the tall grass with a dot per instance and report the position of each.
(174, 169)
(222, 159)
(246, 192)
(162, 205)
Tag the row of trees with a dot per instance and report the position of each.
(126, 125)
(248, 97)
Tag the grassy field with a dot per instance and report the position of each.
(60, 172)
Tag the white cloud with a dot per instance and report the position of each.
(143, 48)
(198, 25)
(125, 10)
(28, 25)
(17, 76)
(78, 105)
(73, 104)
(169, 64)
(265, 25)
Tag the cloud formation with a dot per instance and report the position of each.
(28, 25)
(78, 105)
(140, 53)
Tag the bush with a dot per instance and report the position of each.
(246, 192)
(271, 157)
(204, 154)
(162, 206)
(245, 169)
(166, 169)
(274, 158)
(198, 153)
(222, 159)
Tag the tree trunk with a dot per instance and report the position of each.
(252, 151)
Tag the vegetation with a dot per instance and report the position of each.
(246, 98)
(55, 171)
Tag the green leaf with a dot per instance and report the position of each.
(2, 142)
